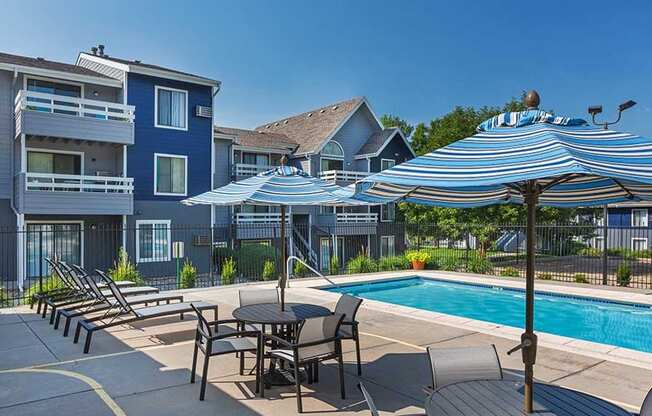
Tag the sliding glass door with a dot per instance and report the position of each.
(62, 241)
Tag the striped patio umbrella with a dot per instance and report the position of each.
(282, 186)
(531, 158)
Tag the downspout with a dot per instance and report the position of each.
(20, 219)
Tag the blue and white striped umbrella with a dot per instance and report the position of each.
(284, 185)
(574, 165)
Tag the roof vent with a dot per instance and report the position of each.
(100, 49)
(137, 61)
(268, 126)
(40, 58)
(94, 50)
(285, 122)
(309, 114)
(322, 111)
(276, 124)
(335, 107)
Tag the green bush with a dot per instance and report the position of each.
(4, 298)
(590, 252)
(389, 263)
(269, 270)
(334, 265)
(479, 265)
(450, 264)
(228, 271)
(124, 269)
(580, 278)
(433, 263)
(300, 269)
(49, 283)
(421, 256)
(362, 264)
(623, 275)
(251, 258)
(545, 276)
(510, 272)
(188, 275)
(220, 254)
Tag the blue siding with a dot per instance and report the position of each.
(194, 143)
(622, 217)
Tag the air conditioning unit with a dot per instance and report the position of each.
(201, 240)
(204, 111)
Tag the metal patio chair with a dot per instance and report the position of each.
(453, 365)
(348, 306)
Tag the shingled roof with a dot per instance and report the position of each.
(376, 141)
(252, 138)
(312, 128)
(138, 63)
(47, 64)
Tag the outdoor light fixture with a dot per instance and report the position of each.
(594, 110)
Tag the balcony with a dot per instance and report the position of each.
(49, 115)
(357, 217)
(259, 218)
(259, 226)
(46, 193)
(342, 175)
(244, 170)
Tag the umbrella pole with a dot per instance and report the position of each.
(284, 258)
(529, 338)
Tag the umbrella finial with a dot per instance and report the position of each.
(531, 100)
(284, 160)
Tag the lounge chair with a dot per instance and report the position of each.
(212, 344)
(373, 410)
(453, 365)
(316, 341)
(107, 303)
(126, 314)
(348, 306)
(646, 407)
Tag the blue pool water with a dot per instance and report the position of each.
(607, 322)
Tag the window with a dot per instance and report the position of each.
(171, 108)
(153, 241)
(333, 149)
(387, 163)
(639, 244)
(325, 250)
(387, 245)
(51, 162)
(639, 217)
(332, 157)
(388, 212)
(171, 174)
(259, 159)
(55, 88)
(598, 242)
(61, 240)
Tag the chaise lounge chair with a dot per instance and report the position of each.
(373, 410)
(126, 314)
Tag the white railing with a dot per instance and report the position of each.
(260, 218)
(357, 217)
(77, 183)
(244, 169)
(80, 107)
(342, 175)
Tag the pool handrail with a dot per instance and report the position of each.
(288, 268)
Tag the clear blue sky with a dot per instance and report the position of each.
(416, 59)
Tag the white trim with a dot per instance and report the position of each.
(81, 232)
(386, 206)
(389, 139)
(223, 136)
(387, 160)
(21, 250)
(331, 155)
(64, 152)
(638, 239)
(644, 218)
(254, 149)
(161, 126)
(124, 232)
(61, 74)
(387, 237)
(124, 160)
(168, 224)
(23, 153)
(185, 189)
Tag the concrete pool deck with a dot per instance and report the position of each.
(144, 369)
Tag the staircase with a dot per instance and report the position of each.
(302, 249)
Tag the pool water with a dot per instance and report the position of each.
(591, 319)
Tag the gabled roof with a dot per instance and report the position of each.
(377, 141)
(148, 69)
(258, 139)
(312, 128)
(52, 68)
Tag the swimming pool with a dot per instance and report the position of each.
(591, 319)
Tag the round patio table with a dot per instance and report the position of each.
(502, 397)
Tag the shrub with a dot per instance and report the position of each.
(123, 269)
(580, 278)
(4, 298)
(590, 252)
(432, 263)
(545, 276)
(479, 265)
(188, 275)
(623, 275)
(335, 265)
(300, 269)
(450, 264)
(510, 272)
(362, 264)
(49, 283)
(269, 270)
(251, 258)
(421, 256)
(228, 271)
(220, 254)
(389, 263)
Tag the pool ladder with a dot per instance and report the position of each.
(295, 258)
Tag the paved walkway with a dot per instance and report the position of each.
(144, 369)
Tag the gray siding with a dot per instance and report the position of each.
(223, 167)
(6, 134)
(72, 127)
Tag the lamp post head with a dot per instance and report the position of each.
(532, 100)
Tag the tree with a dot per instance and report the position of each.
(390, 121)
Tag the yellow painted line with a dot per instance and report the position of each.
(397, 341)
(94, 385)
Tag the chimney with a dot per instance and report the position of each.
(101, 49)
(94, 50)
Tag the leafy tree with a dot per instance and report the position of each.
(390, 120)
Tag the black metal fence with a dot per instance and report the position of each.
(202, 256)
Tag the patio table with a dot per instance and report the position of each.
(503, 397)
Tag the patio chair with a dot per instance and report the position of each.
(373, 410)
(452, 365)
(646, 407)
(257, 297)
(348, 306)
(213, 344)
(317, 340)
(126, 314)
(106, 302)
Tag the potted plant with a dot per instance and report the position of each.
(418, 258)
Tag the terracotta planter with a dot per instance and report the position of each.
(418, 265)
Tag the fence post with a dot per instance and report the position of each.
(605, 234)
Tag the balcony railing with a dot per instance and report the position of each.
(342, 175)
(80, 107)
(357, 217)
(51, 182)
(260, 218)
(244, 169)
